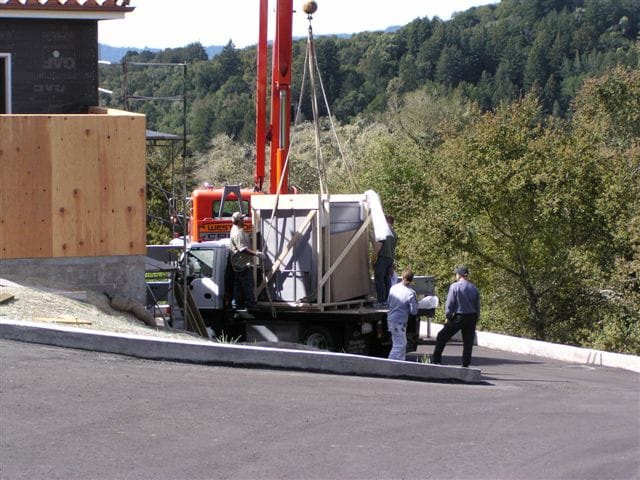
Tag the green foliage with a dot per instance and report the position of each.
(545, 212)
(159, 194)
(495, 54)
(607, 117)
(398, 160)
(167, 185)
(425, 358)
(226, 162)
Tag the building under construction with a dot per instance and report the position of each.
(72, 180)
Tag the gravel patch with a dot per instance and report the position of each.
(83, 309)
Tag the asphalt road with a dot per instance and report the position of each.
(67, 414)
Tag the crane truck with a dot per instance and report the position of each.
(313, 283)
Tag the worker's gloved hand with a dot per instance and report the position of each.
(260, 255)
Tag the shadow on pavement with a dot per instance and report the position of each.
(479, 361)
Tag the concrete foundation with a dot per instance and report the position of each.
(121, 275)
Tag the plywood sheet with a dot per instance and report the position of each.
(123, 181)
(25, 187)
(76, 185)
(72, 185)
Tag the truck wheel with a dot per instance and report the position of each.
(318, 337)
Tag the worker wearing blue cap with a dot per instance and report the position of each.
(462, 311)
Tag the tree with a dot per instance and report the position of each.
(537, 68)
(378, 66)
(429, 53)
(607, 117)
(193, 52)
(227, 162)
(505, 89)
(451, 66)
(414, 34)
(229, 61)
(408, 76)
(396, 160)
(327, 54)
(201, 116)
(512, 214)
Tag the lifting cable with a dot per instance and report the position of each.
(311, 56)
(307, 64)
(286, 163)
(345, 160)
(310, 65)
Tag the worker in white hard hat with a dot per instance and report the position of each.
(241, 262)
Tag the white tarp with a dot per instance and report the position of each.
(381, 228)
(428, 302)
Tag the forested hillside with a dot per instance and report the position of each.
(507, 138)
(492, 54)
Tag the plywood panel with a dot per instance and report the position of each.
(87, 195)
(25, 187)
(100, 196)
(124, 184)
(75, 185)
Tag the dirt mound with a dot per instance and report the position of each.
(25, 301)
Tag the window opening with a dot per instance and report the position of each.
(5, 83)
(229, 208)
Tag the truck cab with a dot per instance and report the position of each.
(211, 210)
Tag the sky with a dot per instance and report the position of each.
(177, 23)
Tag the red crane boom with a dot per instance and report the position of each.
(278, 131)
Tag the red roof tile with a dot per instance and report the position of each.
(67, 5)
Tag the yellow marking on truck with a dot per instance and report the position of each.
(215, 227)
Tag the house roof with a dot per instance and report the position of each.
(65, 9)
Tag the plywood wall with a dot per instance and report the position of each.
(72, 185)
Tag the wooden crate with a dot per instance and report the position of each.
(72, 185)
(315, 256)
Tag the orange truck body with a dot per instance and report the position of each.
(207, 222)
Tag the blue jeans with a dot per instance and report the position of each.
(398, 333)
(243, 288)
(382, 277)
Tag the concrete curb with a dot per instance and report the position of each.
(154, 348)
(565, 353)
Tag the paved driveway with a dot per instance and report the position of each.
(82, 415)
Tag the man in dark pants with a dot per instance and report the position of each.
(241, 262)
(383, 266)
(462, 311)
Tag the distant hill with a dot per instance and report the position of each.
(111, 54)
(213, 50)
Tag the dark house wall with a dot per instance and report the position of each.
(54, 64)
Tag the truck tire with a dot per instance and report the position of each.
(319, 337)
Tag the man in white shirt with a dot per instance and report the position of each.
(241, 262)
(402, 303)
